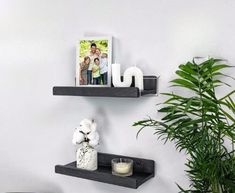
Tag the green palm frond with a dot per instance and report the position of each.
(199, 124)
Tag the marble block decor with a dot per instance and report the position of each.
(87, 157)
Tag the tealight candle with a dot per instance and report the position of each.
(122, 167)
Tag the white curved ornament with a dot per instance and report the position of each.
(127, 77)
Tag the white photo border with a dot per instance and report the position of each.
(109, 39)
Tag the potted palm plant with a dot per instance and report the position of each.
(202, 125)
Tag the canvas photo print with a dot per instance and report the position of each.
(93, 66)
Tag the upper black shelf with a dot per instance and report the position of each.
(150, 87)
(143, 170)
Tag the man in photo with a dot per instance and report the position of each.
(92, 55)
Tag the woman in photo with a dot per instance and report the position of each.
(83, 70)
(98, 53)
(96, 71)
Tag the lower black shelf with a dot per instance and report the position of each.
(143, 170)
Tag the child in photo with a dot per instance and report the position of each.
(104, 68)
(96, 71)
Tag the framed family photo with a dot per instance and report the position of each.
(93, 62)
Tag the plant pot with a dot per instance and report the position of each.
(87, 157)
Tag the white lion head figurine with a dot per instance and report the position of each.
(86, 132)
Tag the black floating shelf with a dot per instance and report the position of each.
(150, 87)
(143, 170)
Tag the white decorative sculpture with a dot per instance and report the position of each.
(127, 77)
(86, 135)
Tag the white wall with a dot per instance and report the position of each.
(37, 52)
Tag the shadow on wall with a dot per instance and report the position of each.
(119, 106)
(103, 123)
(25, 182)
